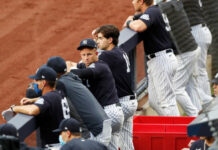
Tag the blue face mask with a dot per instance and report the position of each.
(37, 90)
(61, 140)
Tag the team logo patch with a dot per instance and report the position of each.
(85, 42)
(40, 101)
(145, 17)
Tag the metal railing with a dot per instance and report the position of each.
(128, 41)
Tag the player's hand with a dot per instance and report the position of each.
(129, 18)
(94, 35)
(7, 114)
(25, 101)
(70, 65)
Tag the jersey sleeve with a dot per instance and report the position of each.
(42, 104)
(98, 69)
(86, 73)
(148, 18)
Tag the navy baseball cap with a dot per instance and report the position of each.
(45, 73)
(215, 80)
(8, 129)
(70, 124)
(90, 43)
(57, 63)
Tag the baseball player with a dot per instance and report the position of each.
(118, 61)
(202, 144)
(161, 60)
(85, 104)
(101, 83)
(188, 52)
(70, 136)
(50, 108)
(215, 85)
(203, 37)
(68, 129)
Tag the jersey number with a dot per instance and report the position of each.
(127, 62)
(168, 28)
(66, 109)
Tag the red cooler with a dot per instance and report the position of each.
(161, 133)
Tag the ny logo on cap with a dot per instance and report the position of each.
(85, 42)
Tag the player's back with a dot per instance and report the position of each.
(119, 64)
(156, 37)
(103, 85)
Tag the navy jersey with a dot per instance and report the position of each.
(100, 82)
(53, 108)
(199, 145)
(156, 37)
(119, 64)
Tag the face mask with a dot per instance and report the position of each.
(37, 90)
(61, 140)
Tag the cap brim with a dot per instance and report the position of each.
(57, 130)
(32, 77)
(214, 81)
(81, 47)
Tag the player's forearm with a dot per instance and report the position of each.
(83, 73)
(137, 25)
(27, 109)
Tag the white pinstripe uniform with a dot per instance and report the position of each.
(118, 62)
(129, 106)
(184, 74)
(201, 93)
(161, 91)
(162, 62)
(115, 113)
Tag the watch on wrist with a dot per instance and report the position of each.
(12, 107)
(128, 22)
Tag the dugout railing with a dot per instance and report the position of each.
(128, 41)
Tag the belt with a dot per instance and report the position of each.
(116, 104)
(149, 57)
(203, 24)
(132, 97)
